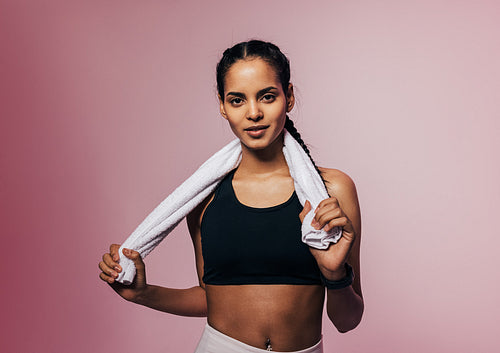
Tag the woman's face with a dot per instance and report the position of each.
(254, 103)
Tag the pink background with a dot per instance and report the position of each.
(106, 106)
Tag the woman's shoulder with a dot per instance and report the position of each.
(338, 183)
(196, 215)
(336, 177)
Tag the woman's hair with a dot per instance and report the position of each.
(266, 51)
(272, 55)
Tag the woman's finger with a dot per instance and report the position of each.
(139, 265)
(106, 278)
(326, 214)
(108, 260)
(331, 200)
(113, 251)
(107, 270)
(336, 222)
(307, 208)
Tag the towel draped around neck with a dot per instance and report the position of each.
(167, 215)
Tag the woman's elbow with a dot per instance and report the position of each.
(348, 322)
(347, 327)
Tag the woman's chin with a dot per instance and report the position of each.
(262, 145)
(275, 142)
(254, 145)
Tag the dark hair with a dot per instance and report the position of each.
(266, 51)
(271, 54)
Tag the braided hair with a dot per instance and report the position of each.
(272, 55)
(296, 135)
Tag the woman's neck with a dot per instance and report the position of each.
(265, 161)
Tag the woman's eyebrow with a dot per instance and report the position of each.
(266, 90)
(236, 94)
(260, 93)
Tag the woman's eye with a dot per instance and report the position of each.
(268, 98)
(236, 101)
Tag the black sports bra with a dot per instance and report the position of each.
(248, 245)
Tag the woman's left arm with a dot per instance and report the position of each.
(344, 306)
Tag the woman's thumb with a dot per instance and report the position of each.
(305, 210)
(135, 257)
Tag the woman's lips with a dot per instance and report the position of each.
(256, 131)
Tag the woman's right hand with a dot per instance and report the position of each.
(110, 269)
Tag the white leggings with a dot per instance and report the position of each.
(213, 341)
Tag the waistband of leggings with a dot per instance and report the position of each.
(317, 348)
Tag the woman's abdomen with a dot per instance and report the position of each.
(289, 316)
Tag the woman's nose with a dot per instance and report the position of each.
(254, 113)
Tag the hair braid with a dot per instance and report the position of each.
(296, 135)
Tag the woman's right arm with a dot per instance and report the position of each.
(184, 302)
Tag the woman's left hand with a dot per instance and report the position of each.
(328, 215)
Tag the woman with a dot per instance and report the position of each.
(260, 287)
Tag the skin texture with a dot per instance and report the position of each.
(288, 315)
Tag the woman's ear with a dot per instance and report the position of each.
(221, 107)
(290, 98)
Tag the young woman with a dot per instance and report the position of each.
(260, 286)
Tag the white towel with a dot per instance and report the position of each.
(167, 215)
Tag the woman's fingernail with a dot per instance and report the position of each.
(117, 268)
(114, 274)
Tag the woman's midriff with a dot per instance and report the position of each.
(287, 316)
